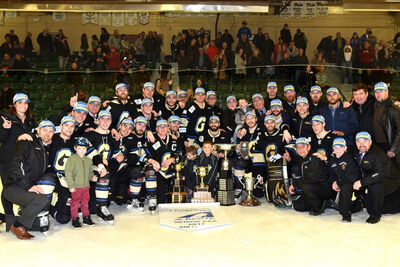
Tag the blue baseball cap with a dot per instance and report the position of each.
(276, 103)
(104, 113)
(67, 119)
(231, 97)
(363, 135)
(174, 119)
(269, 118)
(288, 87)
(215, 118)
(381, 86)
(302, 100)
(121, 85)
(93, 99)
(318, 118)
(161, 123)
(257, 95)
(339, 142)
(316, 88)
(141, 119)
(332, 89)
(302, 141)
(46, 123)
(127, 121)
(250, 113)
(272, 84)
(20, 97)
(170, 92)
(211, 93)
(200, 90)
(80, 106)
(182, 92)
(148, 85)
(147, 100)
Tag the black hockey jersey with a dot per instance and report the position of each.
(301, 127)
(166, 111)
(324, 145)
(60, 151)
(220, 138)
(103, 146)
(162, 150)
(158, 101)
(120, 111)
(197, 120)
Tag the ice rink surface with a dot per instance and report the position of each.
(264, 235)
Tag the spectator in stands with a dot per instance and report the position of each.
(366, 55)
(212, 50)
(45, 42)
(160, 89)
(60, 35)
(255, 62)
(306, 80)
(74, 77)
(183, 44)
(240, 62)
(28, 46)
(285, 34)
(267, 49)
(19, 63)
(220, 63)
(382, 54)
(325, 46)
(7, 46)
(218, 41)
(228, 39)
(342, 121)
(244, 44)
(279, 49)
(206, 43)
(159, 43)
(114, 62)
(301, 61)
(95, 43)
(63, 53)
(244, 30)
(173, 48)
(14, 39)
(318, 61)
(201, 62)
(139, 47)
(322, 78)
(193, 50)
(284, 70)
(183, 63)
(258, 39)
(300, 40)
(355, 42)
(124, 42)
(337, 49)
(104, 36)
(292, 50)
(6, 62)
(115, 40)
(150, 44)
(347, 61)
(370, 38)
(84, 45)
(99, 61)
(6, 97)
(141, 77)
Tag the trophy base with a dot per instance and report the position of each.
(250, 202)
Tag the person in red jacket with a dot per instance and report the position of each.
(114, 62)
(366, 55)
(212, 50)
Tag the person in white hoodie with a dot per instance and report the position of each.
(348, 56)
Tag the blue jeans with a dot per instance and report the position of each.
(347, 72)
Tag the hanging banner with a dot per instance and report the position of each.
(298, 9)
(287, 12)
(105, 19)
(11, 14)
(118, 19)
(90, 17)
(144, 18)
(1, 17)
(322, 8)
(58, 16)
(130, 18)
(310, 9)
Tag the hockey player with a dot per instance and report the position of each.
(148, 92)
(271, 146)
(321, 140)
(174, 129)
(343, 172)
(146, 110)
(79, 114)
(228, 122)
(161, 154)
(197, 115)
(214, 134)
(101, 151)
(212, 103)
(251, 129)
(316, 102)
(61, 149)
(121, 106)
(289, 103)
(301, 120)
(171, 106)
(314, 182)
(272, 93)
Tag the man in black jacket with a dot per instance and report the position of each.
(363, 105)
(314, 182)
(21, 187)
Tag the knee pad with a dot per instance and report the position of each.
(136, 180)
(101, 190)
(151, 180)
(47, 183)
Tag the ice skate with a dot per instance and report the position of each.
(152, 204)
(104, 215)
(44, 222)
(135, 206)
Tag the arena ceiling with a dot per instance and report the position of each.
(253, 6)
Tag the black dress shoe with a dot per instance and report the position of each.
(316, 212)
(373, 220)
(346, 218)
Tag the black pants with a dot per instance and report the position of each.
(374, 199)
(312, 198)
(7, 205)
(31, 203)
(162, 188)
(345, 194)
(61, 211)
(391, 202)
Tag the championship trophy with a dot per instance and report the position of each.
(178, 193)
(225, 192)
(202, 195)
(249, 200)
(243, 149)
